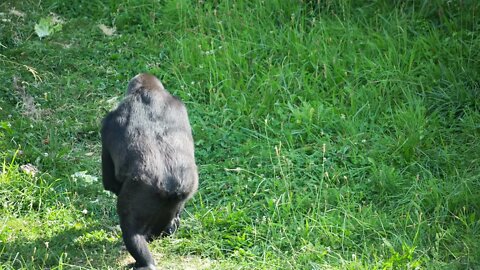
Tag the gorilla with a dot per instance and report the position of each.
(148, 162)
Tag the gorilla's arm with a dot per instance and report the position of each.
(108, 173)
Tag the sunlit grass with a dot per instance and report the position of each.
(329, 134)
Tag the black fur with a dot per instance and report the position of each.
(148, 162)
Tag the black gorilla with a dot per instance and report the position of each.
(148, 162)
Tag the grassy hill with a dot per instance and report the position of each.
(329, 134)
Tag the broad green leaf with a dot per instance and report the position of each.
(47, 26)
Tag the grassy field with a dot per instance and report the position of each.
(329, 134)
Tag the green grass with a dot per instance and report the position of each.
(329, 134)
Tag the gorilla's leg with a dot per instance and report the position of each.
(137, 246)
(168, 220)
(175, 223)
(134, 222)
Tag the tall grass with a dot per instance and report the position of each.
(329, 134)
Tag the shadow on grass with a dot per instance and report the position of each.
(84, 248)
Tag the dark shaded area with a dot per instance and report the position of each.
(61, 249)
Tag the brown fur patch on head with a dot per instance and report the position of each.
(144, 81)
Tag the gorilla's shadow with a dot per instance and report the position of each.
(74, 247)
